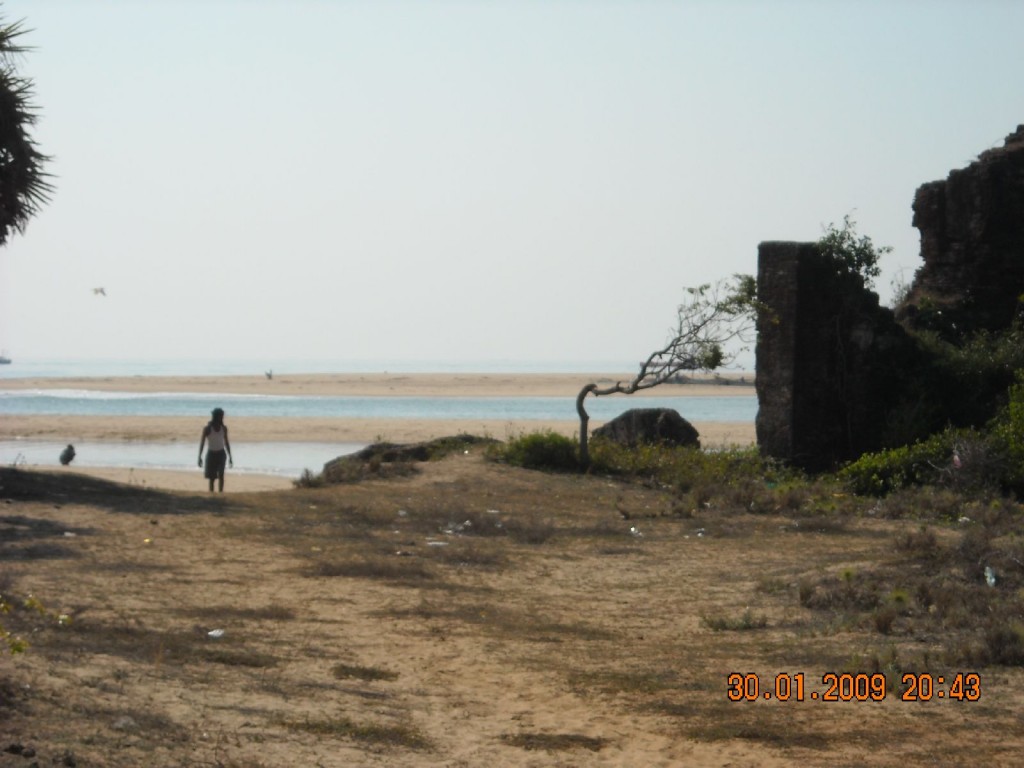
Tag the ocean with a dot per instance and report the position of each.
(287, 459)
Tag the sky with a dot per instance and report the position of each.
(497, 182)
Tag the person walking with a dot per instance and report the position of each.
(219, 453)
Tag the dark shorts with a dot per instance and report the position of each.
(215, 463)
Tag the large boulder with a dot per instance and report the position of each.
(650, 425)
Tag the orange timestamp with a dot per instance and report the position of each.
(961, 686)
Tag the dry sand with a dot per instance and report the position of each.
(254, 429)
(579, 621)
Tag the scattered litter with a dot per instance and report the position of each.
(700, 533)
(963, 519)
(147, 541)
(216, 633)
(70, 534)
(402, 513)
(435, 543)
(403, 553)
(457, 528)
(990, 576)
(635, 532)
(493, 512)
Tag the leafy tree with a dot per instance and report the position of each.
(24, 186)
(711, 317)
(853, 253)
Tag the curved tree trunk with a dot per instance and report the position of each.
(705, 322)
(584, 420)
(585, 417)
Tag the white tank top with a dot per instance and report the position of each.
(215, 438)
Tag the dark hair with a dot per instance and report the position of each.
(217, 413)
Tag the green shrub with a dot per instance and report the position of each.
(930, 461)
(685, 468)
(309, 479)
(1008, 435)
(968, 379)
(540, 450)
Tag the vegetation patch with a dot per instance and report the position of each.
(390, 460)
(271, 612)
(965, 586)
(554, 742)
(504, 621)
(368, 674)
(395, 735)
(383, 568)
(239, 658)
(545, 450)
(760, 727)
(637, 682)
(747, 620)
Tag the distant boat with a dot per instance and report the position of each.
(4, 359)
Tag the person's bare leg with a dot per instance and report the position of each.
(211, 485)
(221, 484)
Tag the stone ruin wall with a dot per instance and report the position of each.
(827, 357)
(831, 363)
(972, 242)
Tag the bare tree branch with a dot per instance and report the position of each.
(707, 324)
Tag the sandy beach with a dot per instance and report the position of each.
(172, 429)
(391, 384)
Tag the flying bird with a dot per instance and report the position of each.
(100, 291)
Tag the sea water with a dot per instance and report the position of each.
(288, 459)
(271, 458)
(61, 402)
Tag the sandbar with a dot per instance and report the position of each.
(392, 384)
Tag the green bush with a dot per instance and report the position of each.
(1007, 430)
(965, 459)
(541, 450)
(967, 380)
(310, 479)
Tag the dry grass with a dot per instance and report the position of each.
(469, 613)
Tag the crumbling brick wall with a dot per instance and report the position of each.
(827, 359)
(972, 245)
(837, 375)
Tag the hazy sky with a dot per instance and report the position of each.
(470, 181)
